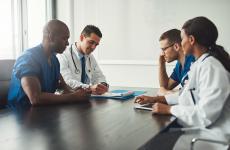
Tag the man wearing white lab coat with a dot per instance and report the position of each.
(72, 63)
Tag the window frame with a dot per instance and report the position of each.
(19, 19)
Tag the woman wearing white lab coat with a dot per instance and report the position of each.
(204, 103)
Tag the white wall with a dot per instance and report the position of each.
(129, 50)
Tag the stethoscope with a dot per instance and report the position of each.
(77, 70)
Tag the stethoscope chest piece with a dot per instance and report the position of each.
(77, 71)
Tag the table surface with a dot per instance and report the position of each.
(95, 125)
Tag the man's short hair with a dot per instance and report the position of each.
(172, 35)
(91, 29)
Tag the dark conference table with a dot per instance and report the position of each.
(100, 124)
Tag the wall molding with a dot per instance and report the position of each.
(132, 62)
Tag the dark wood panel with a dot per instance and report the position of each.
(97, 124)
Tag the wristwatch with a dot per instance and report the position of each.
(104, 83)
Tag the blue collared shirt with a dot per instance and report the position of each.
(80, 56)
(179, 74)
(33, 62)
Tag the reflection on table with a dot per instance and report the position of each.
(98, 124)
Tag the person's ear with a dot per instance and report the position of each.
(51, 36)
(191, 39)
(81, 37)
(177, 46)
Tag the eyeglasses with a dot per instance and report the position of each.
(92, 43)
(163, 49)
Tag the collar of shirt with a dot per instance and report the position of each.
(45, 58)
(77, 52)
(202, 57)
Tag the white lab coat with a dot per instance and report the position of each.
(172, 98)
(209, 82)
(72, 76)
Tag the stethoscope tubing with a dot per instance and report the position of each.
(77, 71)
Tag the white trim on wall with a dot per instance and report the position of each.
(131, 62)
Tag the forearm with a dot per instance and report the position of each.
(74, 84)
(70, 79)
(70, 84)
(172, 98)
(32, 89)
(163, 77)
(67, 89)
(189, 116)
(98, 77)
(51, 98)
(158, 99)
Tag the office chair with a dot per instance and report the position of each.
(194, 140)
(6, 66)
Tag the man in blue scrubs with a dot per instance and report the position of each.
(170, 42)
(36, 73)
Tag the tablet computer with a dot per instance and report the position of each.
(144, 107)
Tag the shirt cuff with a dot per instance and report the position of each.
(84, 85)
(175, 110)
(172, 99)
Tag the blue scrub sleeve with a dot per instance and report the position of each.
(26, 66)
(174, 74)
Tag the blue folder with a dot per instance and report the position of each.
(136, 93)
(121, 94)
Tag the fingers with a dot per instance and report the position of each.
(88, 91)
(141, 100)
(84, 92)
(159, 108)
(138, 99)
(155, 108)
(100, 89)
(162, 57)
(162, 54)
